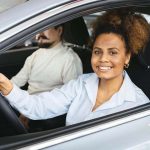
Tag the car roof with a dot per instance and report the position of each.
(7, 4)
(27, 10)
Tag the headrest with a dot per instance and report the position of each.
(144, 57)
(75, 32)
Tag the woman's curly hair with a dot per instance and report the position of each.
(132, 27)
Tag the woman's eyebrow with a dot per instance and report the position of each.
(112, 48)
(98, 48)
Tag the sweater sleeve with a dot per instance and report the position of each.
(73, 67)
(22, 77)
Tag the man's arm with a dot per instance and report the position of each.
(73, 68)
(22, 77)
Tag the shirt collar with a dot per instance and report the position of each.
(126, 93)
(91, 85)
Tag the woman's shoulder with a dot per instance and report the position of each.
(80, 81)
(86, 76)
(136, 91)
(140, 95)
(83, 77)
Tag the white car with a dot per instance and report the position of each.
(129, 129)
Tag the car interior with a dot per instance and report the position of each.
(12, 61)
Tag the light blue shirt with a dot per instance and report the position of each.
(77, 99)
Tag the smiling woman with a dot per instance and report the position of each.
(117, 35)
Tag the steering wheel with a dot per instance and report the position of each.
(11, 117)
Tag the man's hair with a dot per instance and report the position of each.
(61, 25)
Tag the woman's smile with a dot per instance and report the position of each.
(104, 68)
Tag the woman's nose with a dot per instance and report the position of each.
(103, 57)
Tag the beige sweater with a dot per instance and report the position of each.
(47, 69)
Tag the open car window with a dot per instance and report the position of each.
(54, 134)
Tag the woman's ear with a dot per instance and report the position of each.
(128, 56)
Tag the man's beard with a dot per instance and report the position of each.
(46, 44)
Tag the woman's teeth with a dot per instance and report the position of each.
(104, 68)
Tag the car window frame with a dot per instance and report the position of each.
(58, 18)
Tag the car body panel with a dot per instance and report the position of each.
(26, 11)
(103, 135)
(125, 138)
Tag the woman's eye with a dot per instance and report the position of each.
(97, 52)
(112, 52)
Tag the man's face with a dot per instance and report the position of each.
(50, 37)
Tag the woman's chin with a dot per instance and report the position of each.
(104, 75)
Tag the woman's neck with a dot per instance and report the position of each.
(111, 85)
(106, 89)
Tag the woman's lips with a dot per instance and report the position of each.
(104, 68)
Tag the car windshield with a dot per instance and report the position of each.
(7, 4)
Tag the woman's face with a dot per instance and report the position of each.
(109, 56)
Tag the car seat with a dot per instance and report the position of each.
(76, 33)
(139, 70)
